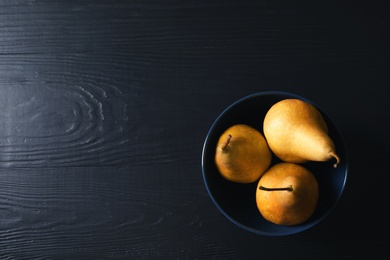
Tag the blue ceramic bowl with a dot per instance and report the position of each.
(238, 201)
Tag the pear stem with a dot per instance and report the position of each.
(334, 155)
(290, 188)
(227, 142)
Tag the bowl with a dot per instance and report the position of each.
(237, 201)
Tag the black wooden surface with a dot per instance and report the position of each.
(104, 107)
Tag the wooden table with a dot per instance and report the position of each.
(105, 105)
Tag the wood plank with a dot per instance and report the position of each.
(104, 107)
(144, 211)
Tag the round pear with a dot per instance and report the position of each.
(287, 194)
(242, 154)
(296, 132)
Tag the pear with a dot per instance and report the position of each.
(296, 132)
(287, 194)
(242, 154)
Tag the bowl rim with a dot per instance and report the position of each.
(293, 230)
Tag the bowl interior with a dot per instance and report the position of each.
(237, 201)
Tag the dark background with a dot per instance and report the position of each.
(105, 105)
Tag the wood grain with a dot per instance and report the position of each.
(105, 105)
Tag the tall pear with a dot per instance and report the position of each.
(242, 154)
(296, 132)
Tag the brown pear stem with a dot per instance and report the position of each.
(226, 143)
(334, 155)
(290, 188)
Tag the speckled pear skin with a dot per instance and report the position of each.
(242, 154)
(295, 197)
(296, 132)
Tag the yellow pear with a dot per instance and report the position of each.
(242, 154)
(287, 194)
(296, 132)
